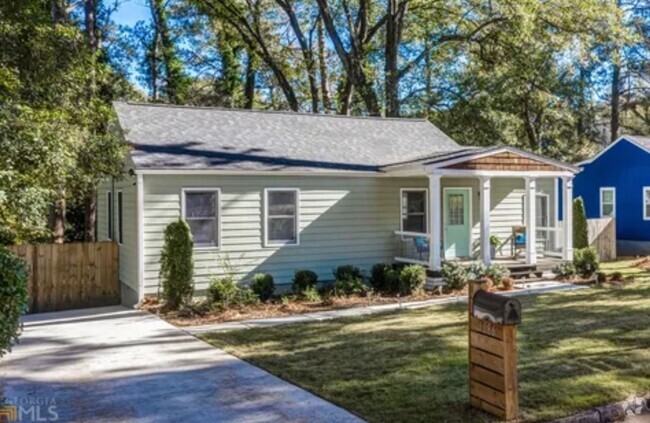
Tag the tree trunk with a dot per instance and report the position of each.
(174, 86)
(346, 97)
(391, 78)
(57, 219)
(90, 209)
(322, 60)
(59, 11)
(615, 102)
(90, 9)
(251, 76)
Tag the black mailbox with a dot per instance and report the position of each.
(496, 308)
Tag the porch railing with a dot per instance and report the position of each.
(412, 247)
(549, 241)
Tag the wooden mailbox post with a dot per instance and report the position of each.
(493, 360)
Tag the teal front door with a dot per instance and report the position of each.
(457, 222)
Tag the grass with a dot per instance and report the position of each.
(576, 350)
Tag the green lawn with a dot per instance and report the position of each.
(577, 350)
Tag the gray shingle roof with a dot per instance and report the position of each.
(177, 137)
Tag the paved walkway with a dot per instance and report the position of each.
(119, 365)
(525, 289)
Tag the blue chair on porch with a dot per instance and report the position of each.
(518, 240)
(421, 246)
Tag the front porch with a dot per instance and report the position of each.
(497, 206)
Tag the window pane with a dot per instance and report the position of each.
(647, 196)
(608, 196)
(456, 204)
(542, 218)
(415, 201)
(281, 203)
(415, 223)
(647, 210)
(203, 231)
(608, 209)
(282, 229)
(200, 204)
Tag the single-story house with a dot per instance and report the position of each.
(276, 192)
(616, 183)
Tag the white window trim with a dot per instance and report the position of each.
(426, 207)
(217, 246)
(265, 223)
(550, 216)
(119, 193)
(109, 211)
(645, 217)
(600, 201)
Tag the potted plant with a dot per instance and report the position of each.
(508, 284)
(495, 242)
(487, 284)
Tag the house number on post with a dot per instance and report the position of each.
(493, 352)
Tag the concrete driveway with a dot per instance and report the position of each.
(119, 365)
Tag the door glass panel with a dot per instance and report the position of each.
(456, 207)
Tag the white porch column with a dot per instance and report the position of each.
(435, 222)
(567, 215)
(485, 220)
(531, 219)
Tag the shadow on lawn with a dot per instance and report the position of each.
(577, 350)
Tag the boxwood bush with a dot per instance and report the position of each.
(412, 279)
(13, 298)
(263, 285)
(302, 280)
(455, 274)
(586, 261)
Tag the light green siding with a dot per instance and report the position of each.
(343, 220)
(128, 248)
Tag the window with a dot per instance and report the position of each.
(456, 207)
(646, 203)
(542, 211)
(201, 212)
(414, 210)
(607, 202)
(281, 210)
(120, 232)
(109, 212)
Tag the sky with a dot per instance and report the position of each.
(132, 11)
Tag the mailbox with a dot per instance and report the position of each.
(496, 308)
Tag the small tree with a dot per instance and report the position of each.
(177, 265)
(580, 232)
(13, 298)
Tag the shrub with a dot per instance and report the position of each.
(311, 294)
(302, 280)
(263, 285)
(495, 241)
(455, 274)
(586, 261)
(508, 283)
(580, 231)
(177, 265)
(476, 271)
(564, 270)
(13, 298)
(347, 272)
(601, 277)
(412, 279)
(497, 272)
(222, 290)
(379, 275)
(349, 287)
(617, 277)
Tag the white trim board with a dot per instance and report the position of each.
(184, 190)
(265, 224)
(643, 205)
(501, 173)
(139, 186)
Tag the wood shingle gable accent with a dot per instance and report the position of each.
(507, 160)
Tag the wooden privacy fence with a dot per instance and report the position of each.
(69, 276)
(602, 236)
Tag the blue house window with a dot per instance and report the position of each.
(646, 203)
(607, 202)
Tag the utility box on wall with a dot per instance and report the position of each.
(493, 385)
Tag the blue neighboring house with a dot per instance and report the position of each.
(616, 183)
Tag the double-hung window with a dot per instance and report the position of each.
(646, 203)
(542, 211)
(414, 210)
(201, 212)
(607, 202)
(281, 209)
